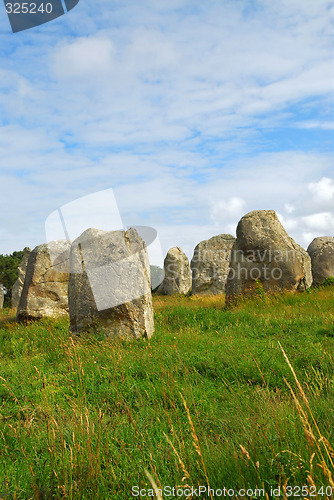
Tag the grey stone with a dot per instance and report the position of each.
(157, 276)
(177, 273)
(44, 292)
(18, 285)
(264, 254)
(2, 296)
(109, 286)
(321, 251)
(210, 264)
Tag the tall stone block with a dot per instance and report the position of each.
(264, 254)
(210, 264)
(109, 286)
(18, 285)
(177, 273)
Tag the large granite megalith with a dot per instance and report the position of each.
(177, 273)
(321, 251)
(18, 285)
(2, 296)
(44, 292)
(210, 264)
(264, 256)
(109, 287)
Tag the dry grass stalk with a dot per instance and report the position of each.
(154, 485)
(196, 442)
(309, 434)
(245, 452)
(183, 467)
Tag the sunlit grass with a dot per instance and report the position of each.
(205, 401)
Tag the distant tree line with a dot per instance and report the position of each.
(8, 273)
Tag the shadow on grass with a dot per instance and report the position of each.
(7, 316)
(326, 332)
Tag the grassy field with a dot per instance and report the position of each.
(205, 402)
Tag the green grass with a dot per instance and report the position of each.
(204, 401)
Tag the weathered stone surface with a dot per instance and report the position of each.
(18, 285)
(264, 253)
(45, 286)
(109, 286)
(177, 273)
(321, 251)
(2, 297)
(210, 264)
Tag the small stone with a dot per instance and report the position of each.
(177, 273)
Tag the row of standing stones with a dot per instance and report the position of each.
(262, 253)
(102, 279)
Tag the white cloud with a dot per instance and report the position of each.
(153, 49)
(289, 208)
(324, 125)
(323, 190)
(85, 57)
(319, 222)
(227, 209)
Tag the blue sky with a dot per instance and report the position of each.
(194, 113)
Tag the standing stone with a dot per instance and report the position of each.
(2, 296)
(321, 251)
(45, 286)
(109, 286)
(210, 264)
(177, 273)
(18, 285)
(265, 257)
